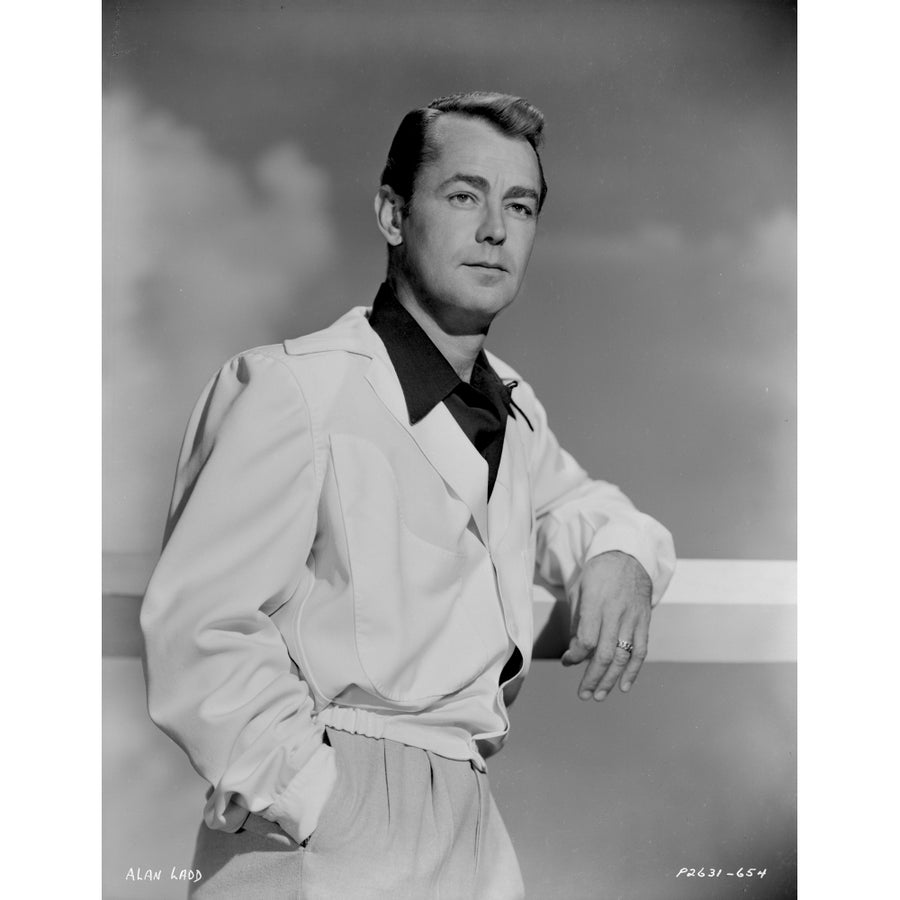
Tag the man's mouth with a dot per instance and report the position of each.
(485, 265)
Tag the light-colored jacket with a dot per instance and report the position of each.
(326, 562)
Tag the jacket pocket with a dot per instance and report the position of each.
(269, 831)
(415, 636)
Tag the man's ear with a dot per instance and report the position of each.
(389, 214)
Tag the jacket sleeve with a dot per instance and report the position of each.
(241, 525)
(578, 518)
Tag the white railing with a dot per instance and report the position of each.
(716, 610)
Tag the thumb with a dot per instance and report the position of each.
(576, 653)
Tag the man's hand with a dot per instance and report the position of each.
(614, 605)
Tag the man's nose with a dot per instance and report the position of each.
(492, 229)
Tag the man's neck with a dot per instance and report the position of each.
(460, 350)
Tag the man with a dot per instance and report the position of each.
(342, 609)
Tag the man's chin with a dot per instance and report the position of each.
(465, 307)
(474, 311)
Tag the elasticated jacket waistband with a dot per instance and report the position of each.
(454, 743)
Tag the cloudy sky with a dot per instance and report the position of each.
(242, 146)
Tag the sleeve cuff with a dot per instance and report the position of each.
(298, 807)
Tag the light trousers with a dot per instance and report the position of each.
(402, 823)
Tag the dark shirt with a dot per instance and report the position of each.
(480, 406)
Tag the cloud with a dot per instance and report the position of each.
(201, 258)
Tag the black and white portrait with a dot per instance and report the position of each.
(243, 145)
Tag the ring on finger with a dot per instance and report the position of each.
(627, 646)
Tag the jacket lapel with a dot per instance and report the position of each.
(441, 440)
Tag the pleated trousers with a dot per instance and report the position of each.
(402, 823)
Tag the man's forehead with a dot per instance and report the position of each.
(461, 139)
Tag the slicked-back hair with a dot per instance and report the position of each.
(413, 145)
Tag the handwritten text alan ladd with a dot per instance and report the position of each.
(138, 874)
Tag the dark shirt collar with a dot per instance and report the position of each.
(424, 373)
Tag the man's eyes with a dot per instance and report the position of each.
(465, 199)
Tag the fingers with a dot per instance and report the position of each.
(604, 657)
(603, 672)
(585, 629)
(638, 655)
(610, 662)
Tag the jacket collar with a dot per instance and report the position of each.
(427, 378)
(425, 375)
(350, 333)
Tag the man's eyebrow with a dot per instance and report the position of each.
(476, 181)
(516, 193)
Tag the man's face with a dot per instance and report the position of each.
(469, 230)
